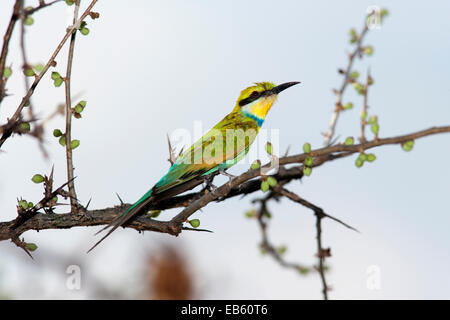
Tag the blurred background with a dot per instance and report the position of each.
(148, 68)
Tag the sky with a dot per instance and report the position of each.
(155, 67)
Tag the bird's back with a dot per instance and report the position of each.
(222, 146)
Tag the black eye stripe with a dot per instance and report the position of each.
(253, 96)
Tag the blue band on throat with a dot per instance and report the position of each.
(257, 119)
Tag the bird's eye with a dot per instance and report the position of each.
(254, 94)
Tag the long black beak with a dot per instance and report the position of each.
(283, 86)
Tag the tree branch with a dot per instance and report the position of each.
(328, 136)
(192, 202)
(15, 16)
(68, 134)
(8, 129)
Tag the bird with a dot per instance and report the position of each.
(220, 148)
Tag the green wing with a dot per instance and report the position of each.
(222, 146)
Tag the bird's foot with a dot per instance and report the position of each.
(209, 185)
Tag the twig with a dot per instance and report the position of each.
(41, 5)
(321, 254)
(68, 135)
(362, 136)
(296, 198)
(266, 245)
(241, 185)
(320, 214)
(26, 65)
(14, 17)
(7, 132)
(345, 150)
(328, 136)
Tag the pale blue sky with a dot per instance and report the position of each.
(157, 66)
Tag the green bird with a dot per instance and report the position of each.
(220, 148)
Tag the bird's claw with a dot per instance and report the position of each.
(209, 185)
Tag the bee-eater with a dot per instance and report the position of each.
(221, 147)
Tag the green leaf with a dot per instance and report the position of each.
(37, 178)
(362, 156)
(363, 115)
(74, 144)
(368, 50)
(375, 128)
(55, 75)
(353, 36)
(282, 250)
(57, 133)
(307, 171)
(154, 213)
(28, 72)
(272, 181)
(78, 108)
(358, 87)
(306, 147)
(371, 157)
(84, 31)
(7, 72)
(23, 204)
(30, 205)
(255, 165)
(303, 270)
(269, 148)
(359, 163)
(69, 2)
(250, 213)
(195, 223)
(348, 106)
(354, 74)
(308, 161)
(372, 120)
(408, 145)
(39, 67)
(349, 141)
(384, 12)
(28, 21)
(31, 246)
(265, 186)
(82, 103)
(58, 82)
(62, 141)
(25, 126)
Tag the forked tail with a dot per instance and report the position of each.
(125, 216)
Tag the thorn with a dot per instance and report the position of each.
(120, 199)
(89, 202)
(171, 157)
(201, 230)
(287, 151)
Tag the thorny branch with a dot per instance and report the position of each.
(68, 134)
(9, 30)
(357, 52)
(241, 185)
(32, 217)
(9, 128)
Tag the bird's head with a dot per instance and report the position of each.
(256, 101)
